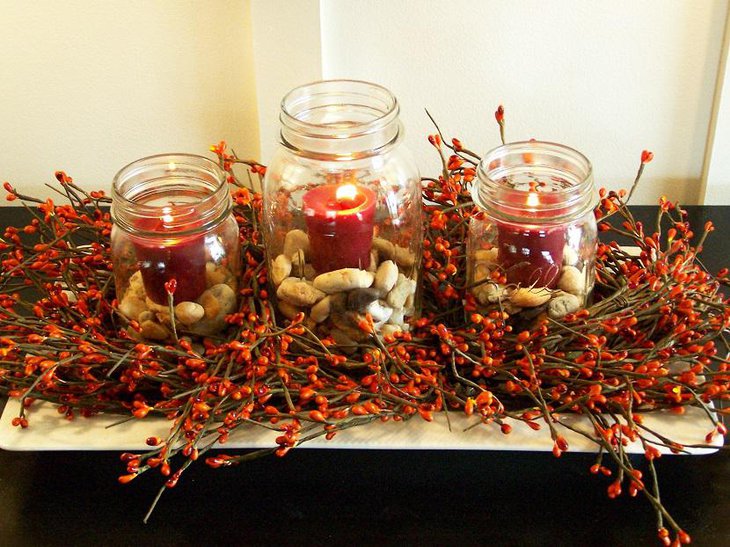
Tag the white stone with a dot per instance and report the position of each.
(132, 306)
(403, 288)
(154, 331)
(373, 266)
(189, 312)
(563, 304)
(218, 301)
(486, 256)
(298, 264)
(481, 273)
(388, 251)
(216, 274)
(397, 317)
(299, 292)
(343, 280)
(321, 310)
(489, 293)
(570, 257)
(386, 276)
(379, 311)
(390, 329)
(572, 280)
(280, 269)
(287, 310)
(530, 298)
(294, 241)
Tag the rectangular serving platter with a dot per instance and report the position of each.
(51, 431)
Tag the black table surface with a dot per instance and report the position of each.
(363, 497)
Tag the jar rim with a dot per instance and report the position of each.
(218, 172)
(510, 203)
(375, 97)
(209, 209)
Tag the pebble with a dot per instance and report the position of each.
(401, 291)
(136, 285)
(146, 316)
(294, 241)
(280, 269)
(572, 280)
(154, 331)
(321, 310)
(386, 276)
(570, 257)
(529, 298)
(386, 249)
(486, 256)
(216, 274)
(379, 311)
(220, 299)
(373, 266)
(298, 263)
(481, 273)
(189, 312)
(288, 310)
(563, 304)
(489, 293)
(345, 279)
(298, 292)
(132, 306)
(390, 329)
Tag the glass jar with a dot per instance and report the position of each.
(342, 210)
(532, 243)
(173, 220)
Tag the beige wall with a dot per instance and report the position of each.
(88, 86)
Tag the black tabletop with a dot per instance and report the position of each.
(363, 497)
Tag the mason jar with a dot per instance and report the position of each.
(342, 210)
(532, 242)
(175, 247)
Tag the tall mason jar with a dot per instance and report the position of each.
(532, 243)
(174, 245)
(342, 211)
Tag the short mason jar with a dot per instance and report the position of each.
(342, 210)
(174, 234)
(532, 242)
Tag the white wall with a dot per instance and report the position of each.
(609, 78)
(89, 86)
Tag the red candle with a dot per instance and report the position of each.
(172, 257)
(340, 225)
(531, 254)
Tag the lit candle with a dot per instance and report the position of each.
(162, 258)
(340, 224)
(531, 254)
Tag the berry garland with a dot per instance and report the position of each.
(653, 340)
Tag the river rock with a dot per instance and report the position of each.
(215, 274)
(486, 256)
(189, 312)
(296, 240)
(570, 257)
(132, 306)
(154, 331)
(403, 288)
(489, 293)
(379, 311)
(572, 280)
(321, 310)
(529, 298)
(344, 279)
(287, 310)
(386, 276)
(359, 299)
(390, 329)
(280, 269)
(298, 292)
(563, 304)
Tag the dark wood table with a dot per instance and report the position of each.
(363, 497)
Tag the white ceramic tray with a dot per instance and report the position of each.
(50, 431)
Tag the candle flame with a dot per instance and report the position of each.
(172, 166)
(533, 200)
(167, 217)
(346, 192)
